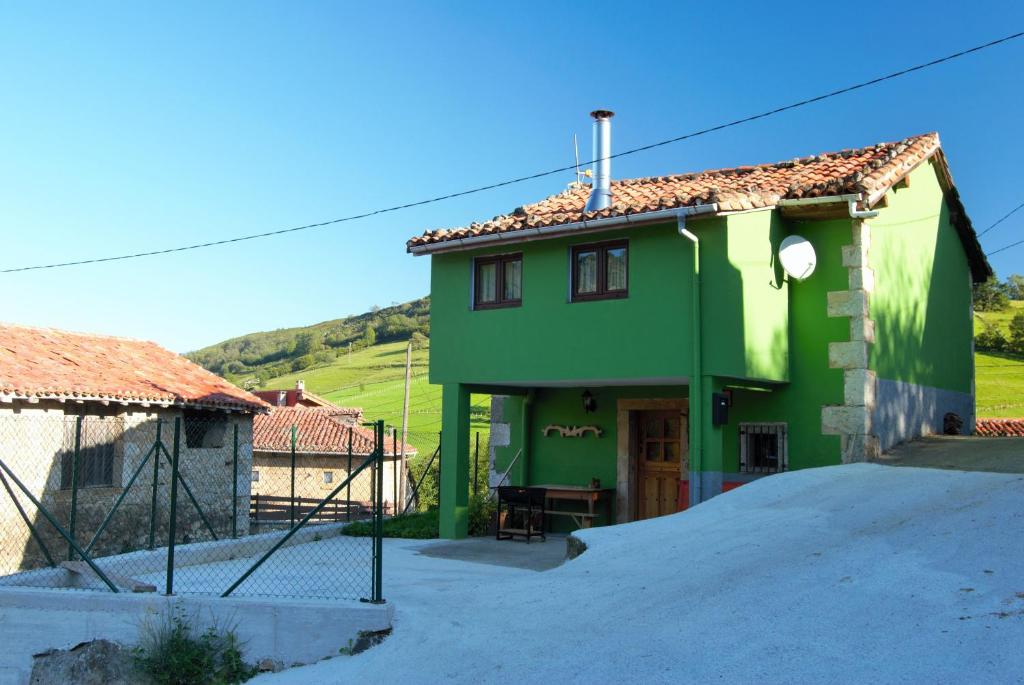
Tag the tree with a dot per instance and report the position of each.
(991, 296)
(991, 339)
(307, 343)
(419, 341)
(1017, 333)
(370, 336)
(1015, 287)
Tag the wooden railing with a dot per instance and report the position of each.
(277, 509)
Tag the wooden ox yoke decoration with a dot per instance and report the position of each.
(573, 431)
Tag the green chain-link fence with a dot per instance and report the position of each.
(179, 502)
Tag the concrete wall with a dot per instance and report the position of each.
(289, 631)
(906, 410)
(35, 438)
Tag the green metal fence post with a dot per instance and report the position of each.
(234, 486)
(157, 445)
(74, 484)
(192, 498)
(348, 490)
(476, 464)
(292, 508)
(394, 470)
(379, 532)
(173, 523)
(368, 463)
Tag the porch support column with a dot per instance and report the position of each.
(454, 510)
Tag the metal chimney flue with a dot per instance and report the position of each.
(601, 190)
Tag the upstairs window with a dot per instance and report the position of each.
(498, 282)
(600, 272)
(764, 448)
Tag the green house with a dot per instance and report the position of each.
(656, 341)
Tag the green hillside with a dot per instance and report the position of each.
(256, 359)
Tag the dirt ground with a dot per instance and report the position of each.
(960, 452)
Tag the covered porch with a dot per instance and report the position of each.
(604, 453)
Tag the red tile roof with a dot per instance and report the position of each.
(869, 171)
(46, 363)
(1000, 428)
(317, 429)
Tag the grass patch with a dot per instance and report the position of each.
(999, 382)
(418, 526)
(424, 525)
(171, 652)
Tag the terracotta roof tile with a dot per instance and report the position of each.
(868, 170)
(318, 429)
(1000, 428)
(46, 363)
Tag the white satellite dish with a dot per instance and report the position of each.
(797, 256)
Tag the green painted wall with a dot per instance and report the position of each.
(550, 339)
(812, 382)
(922, 297)
(647, 335)
(744, 299)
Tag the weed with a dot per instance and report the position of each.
(170, 652)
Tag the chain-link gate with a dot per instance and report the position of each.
(171, 502)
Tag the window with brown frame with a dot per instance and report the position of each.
(600, 271)
(498, 282)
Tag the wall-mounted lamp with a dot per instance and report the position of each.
(589, 403)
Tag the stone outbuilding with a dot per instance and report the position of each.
(89, 421)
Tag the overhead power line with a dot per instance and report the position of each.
(1004, 247)
(1005, 217)
(531, 177)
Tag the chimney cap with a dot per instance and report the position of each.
(602, 114)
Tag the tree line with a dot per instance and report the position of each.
(995, 296)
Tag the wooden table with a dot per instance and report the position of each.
(578, 493)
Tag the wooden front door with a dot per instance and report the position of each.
(662, 458)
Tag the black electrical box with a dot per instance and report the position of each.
(719, 409)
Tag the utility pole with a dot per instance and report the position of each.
(405, 415)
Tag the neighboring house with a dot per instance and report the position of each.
(328, 446)
(121, 388)
(656, 310)
(300, 397)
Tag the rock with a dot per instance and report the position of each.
(269, 666)
(574, 547)
(99, 662)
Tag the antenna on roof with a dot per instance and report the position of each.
(579, 174)
(576, 150)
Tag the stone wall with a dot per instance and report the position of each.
(852, 420)
(36, 439)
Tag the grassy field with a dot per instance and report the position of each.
(1000, 319)
(999, 377)
(373, 378)
(1000, 385)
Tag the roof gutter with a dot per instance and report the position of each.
(851, 201)
(576, 227)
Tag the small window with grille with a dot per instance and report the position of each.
(764, 448)
(328, 477)
(255, 476)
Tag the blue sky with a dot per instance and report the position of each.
(133, 127)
